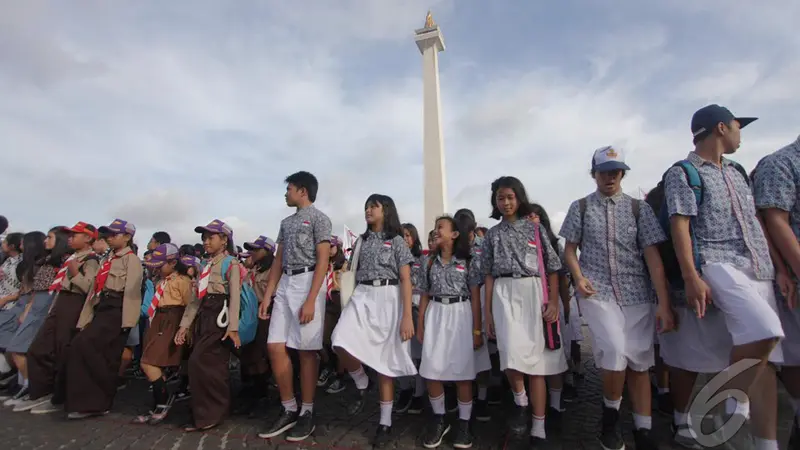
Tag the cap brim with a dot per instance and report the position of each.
(107, 230)
(154, 264)
(745, 121)
(201, 230)
(249, 246)
(611, 165)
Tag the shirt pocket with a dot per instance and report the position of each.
(385, 256)
(532, 260)
(116, 278)
(304, 235)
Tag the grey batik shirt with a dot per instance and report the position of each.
(381, 258)
(416, 272)
(299, 234)
(776, 182)
(509, 248)
(477, 276)
(611, 243)
(725, 226)
(449, 280)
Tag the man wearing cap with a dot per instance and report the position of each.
(615, 287)
(775, 184)
(735, 265)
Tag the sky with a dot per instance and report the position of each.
(171, 114)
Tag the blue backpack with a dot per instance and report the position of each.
(147, 296)
(248, 306)
(657, 200)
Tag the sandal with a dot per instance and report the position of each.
(143, 419)
(160, 413)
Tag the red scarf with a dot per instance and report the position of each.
(102, 275)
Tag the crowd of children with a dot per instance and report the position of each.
(446, 321)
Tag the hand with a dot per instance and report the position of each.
(406, 327)
(489, 322)
(477, 340)
(234, 336)
(584, 286)
(263, 309)
(180, 336)
(22, 317)
(665, 319)
(307, 312)
(72, 267)
(698, 295)
(787, 288)
(550, 313)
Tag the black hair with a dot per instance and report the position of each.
(416, 247)
(592, 172)
(3, 224)
(655, 198)
(466, 220)
(133, 246)
(33, 252)
(304, 180)
(14, 240)
(265, 263)
(186, 250)
(181, 268)
(391, 220)
(162, 237)
(338, 260)
(462, 249)
(199, 250)
(465, 212)
(544, 220)
(60, 249)
(483, 230)
(238, 249)
(523, 206)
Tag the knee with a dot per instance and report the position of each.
(276, 350)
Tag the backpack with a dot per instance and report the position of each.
(248, 306)
(148, 292)
(672, 269)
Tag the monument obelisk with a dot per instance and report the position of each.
(430, 42)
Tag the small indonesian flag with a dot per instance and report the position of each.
(202, 282)
(151, 311)
(460, 268)
(58, 281)
(387, 244)
(532, 244)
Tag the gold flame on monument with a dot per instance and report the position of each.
(429, 23)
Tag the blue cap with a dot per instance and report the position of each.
(708, 117)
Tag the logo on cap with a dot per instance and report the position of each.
(611, 153)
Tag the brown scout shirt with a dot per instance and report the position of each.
(260, 283)
(216, 285)
(177, 292)
(125, 277)
(87, 271)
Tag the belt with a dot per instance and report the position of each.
(292, 272)
(513, 275)
(376, 283)
(449, 300)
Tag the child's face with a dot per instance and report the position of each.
(431, 241)
(609, 183)
(78, 241)
(249, 263)
(50, 241)
(408, 238)
(118, 241)
(167, 269)
(293, 195)
(373, 213)
(506, 202)
(444, 233)
(213, 243)
(192, 272)
(152, 244)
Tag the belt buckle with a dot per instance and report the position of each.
(516, 275)
(376, 283)
(445, 300)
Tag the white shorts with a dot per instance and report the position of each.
(284, 325)
(790, 320)
(623, 335)
(698, 345)
(748, 304)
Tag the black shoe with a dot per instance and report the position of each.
(537, 442)
(611, 434)
(383, 437)
(463, 437)
(417, 405)
(554, 419)
(435, 432)
(286, 421)
(495, 395)
(569, 393)
(794, 440)
(482, 413)
(8, 378)
(325, 376)
(403, 401)
(303, 429)
(643, 441)
(450, 399)
(664, 404)
(518, 421)
(356, 404)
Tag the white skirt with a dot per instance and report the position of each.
(447, 353)
(517, 313)
(369, 329)
(698, 345)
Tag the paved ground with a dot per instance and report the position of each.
(26, 431)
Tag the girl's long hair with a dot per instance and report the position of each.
(462, 249)
(338, 260)
(544, 220)
(33, 252)
(14, 240)
(265, 263)
(61, 248)
(391, 219)
(523, 206)
(416, 247)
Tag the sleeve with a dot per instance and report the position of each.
(775, 185)
(402, 254)
(424, 282)
(322, 229)
(487, 255)
(279, 240)
(234, 295)
(86, 275)
(678, 194)
(474, 273)
(551, 259)
(132, 295)
(572, 227)
(649, 231)
(186, 291)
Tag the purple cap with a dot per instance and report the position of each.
(216, 227)
(118, 226)
(162, 254)
(335, 241)
(191, 261)
(262, 242)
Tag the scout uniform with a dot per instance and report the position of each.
(110, 311)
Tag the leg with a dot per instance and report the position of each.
(518, 421)
(639, 389)
(681, 387)
(437, 427)
(482, 413)
(22, 366)
(538, 399)
(383, 433)
(283, 372)
(360, 378)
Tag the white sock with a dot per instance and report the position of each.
(662, 391)
(537, 428)
(733, 406)
(306, 407)
(680, 418)
(419, 388)
(20, 380)
(386, 413)
(464, 410)
(360, 378)
(642, 422)
(290, 405)
(613, 404)
(555, 399)
(765, 444)
(521, 398)
(483, 391)
(437, 404)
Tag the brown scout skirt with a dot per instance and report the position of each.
(158, 348)
(94, 358)
(47, 355)
(208, 365)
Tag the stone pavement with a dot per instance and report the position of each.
(334, 431)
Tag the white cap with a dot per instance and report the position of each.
(609, 158)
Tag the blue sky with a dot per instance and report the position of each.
(171, 114)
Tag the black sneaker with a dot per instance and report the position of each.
(450, 399)
(325, 376)
(518, 421)
(403, 401)
(435, 432)
(303, 429)
(417, 405)
(463, 437)
(794, 440)
(481, 411)
(569, 393)
(495, 395)
(611, 434)
(537, 442)
(356, 405)
(664, 404)
(383, 437)
(643, 441)
(286, 421)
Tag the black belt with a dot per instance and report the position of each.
(445, 300)
(292, 272)
(377, 283)
(513, 275)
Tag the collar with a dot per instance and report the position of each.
(698, 162)
(82, 253)
(123, 252)
(613, 198)
(217, 258)
(453, 260)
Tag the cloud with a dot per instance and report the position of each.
(171, 116)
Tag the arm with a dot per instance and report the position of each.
(234, 295)
(274, 276)
(190, 312)
(9, 298)
(132, 294)
(83, 281)
(405, 290)
(571, 258)
(656, 267)
(563, 291)
(784, 245)
(320, 271)
(423, 306)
